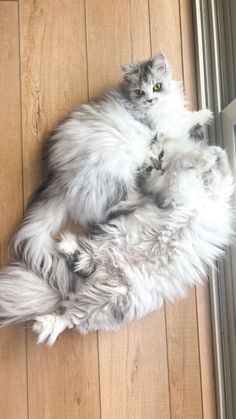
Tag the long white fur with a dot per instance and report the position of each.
(93, 153)
(151, 255)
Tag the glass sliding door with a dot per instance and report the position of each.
(215, 35)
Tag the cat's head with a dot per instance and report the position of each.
(147, 82)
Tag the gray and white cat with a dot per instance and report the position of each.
(137, 261)
(93, 157)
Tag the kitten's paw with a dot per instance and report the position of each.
(67, 244)
(219, 159)
(205, 116)
(203, 160)
(202, 117)
(197, 132)
(83, 264)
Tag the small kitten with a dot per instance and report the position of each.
(93, 157)
(137, 261)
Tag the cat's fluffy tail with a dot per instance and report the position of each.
(34, 243)
(24, 295)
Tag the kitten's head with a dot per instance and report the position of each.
(147, 82)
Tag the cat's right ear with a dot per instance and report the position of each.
(159, 62)
(128, 70)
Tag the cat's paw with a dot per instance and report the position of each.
(202, 117)
(83, 263)
(49, 327)
(213, 156)
(205, 116)
(197, 132)
(43, 326)
(67, 244)
(205, 159)
(218, 159)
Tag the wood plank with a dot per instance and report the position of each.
(107, 32)
(133, 364)
(187, 40)
(63, 382)
(206, 352)
(133, 370)
(165, 32)
(183, 357)
(13, 378)
(181, 319)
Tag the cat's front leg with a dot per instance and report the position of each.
(197, 120)
(124, 208)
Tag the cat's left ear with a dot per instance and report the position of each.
(129, 70)
(159, 62)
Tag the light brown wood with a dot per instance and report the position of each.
(133, 371)
(165, 32)
(63, 381)
(206, 352)
(160, 367)
(188, 48)
(13, 380)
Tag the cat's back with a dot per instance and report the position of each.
(108, 111)
(104, 124)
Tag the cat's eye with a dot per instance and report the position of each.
(161, 155)
(157, 87)
(139, 92)
(149, 168)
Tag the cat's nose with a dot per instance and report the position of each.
(149, 100)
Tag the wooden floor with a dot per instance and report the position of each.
(55, 54)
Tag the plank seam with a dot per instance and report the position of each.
(22, 192)
(149, 21)
(86, 48)
(199, 351)
(88, 97)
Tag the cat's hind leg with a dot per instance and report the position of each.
(67, 245)
(78, 252)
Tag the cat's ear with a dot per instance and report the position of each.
(129, 70)
(159, 62)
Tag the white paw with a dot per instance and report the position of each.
(67, 244)
(205, 116)
(49, 327)
(44, 326)
(220, 159)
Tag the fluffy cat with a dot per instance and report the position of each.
(139, 260)
(93, 157)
